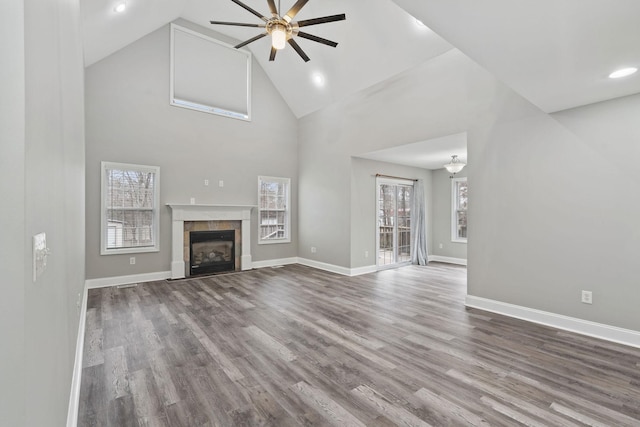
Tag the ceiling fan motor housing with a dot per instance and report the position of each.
(277, 23)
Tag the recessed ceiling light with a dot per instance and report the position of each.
(120, 7)
(318, 79)
(623, 72)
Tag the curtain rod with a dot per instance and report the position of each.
(395, 177)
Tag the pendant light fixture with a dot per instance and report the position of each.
(454, 166)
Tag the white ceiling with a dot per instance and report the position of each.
(431, 154)
(376, 42)
(556, 54)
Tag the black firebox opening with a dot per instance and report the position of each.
(211, 252)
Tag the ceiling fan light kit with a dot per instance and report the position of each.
(283, 29)
(278, 36)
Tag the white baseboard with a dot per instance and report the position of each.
(274, 262)
(324, 266)
(363, 270)
(597, 330)
(105, 282)
(74, 396)
(448, 260)
(345, 271)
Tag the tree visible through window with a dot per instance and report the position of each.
(459, 210)
(129, 208)
(273, 210)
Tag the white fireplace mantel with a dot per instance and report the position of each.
(181, 213)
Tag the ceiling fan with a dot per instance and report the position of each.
(283, 29)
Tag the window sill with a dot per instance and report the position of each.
(273, 242)
(123, 251)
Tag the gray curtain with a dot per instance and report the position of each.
(419, 254)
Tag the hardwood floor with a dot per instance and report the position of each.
(298, 346)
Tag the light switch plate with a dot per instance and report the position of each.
(40, 253)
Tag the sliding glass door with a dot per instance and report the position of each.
(394, 222)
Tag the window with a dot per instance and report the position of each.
(273, 210)
(208, 75)
(459, 210)
(130, 208)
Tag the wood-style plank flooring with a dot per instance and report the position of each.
(296, 346)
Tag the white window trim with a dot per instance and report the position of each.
(103, 209)
(454, 209)
(287, 238)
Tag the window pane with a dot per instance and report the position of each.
(462, 195)
(462, 224)
(130, 189)
(128, 229)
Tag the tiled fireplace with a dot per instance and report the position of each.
(185, 218)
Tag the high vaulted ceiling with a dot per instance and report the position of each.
(556, 54)
(377, 41)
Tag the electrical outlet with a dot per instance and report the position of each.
(440, 245)
(221, 183)
(587, 297)
(193, 200)
(206, 182)
(313, 249)
(366, 254)
(132, 260)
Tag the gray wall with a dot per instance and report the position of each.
(363, 205)
(129, 120)
(12, 213)
(442, 216)
(42, 153)
(554, 210)
(436, 98)
(558, 208)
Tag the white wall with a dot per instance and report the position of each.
(12, 211)
(442, 216)
(559, 208)
(42, 176)
(364, 210)
(129, 120)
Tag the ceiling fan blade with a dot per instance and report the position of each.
(247, 8)
(297, 48)
(294, 10)
(272, 7)
(238, 24)
(317, 39)
(272, 55)
(251, 40)
(323, 20)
